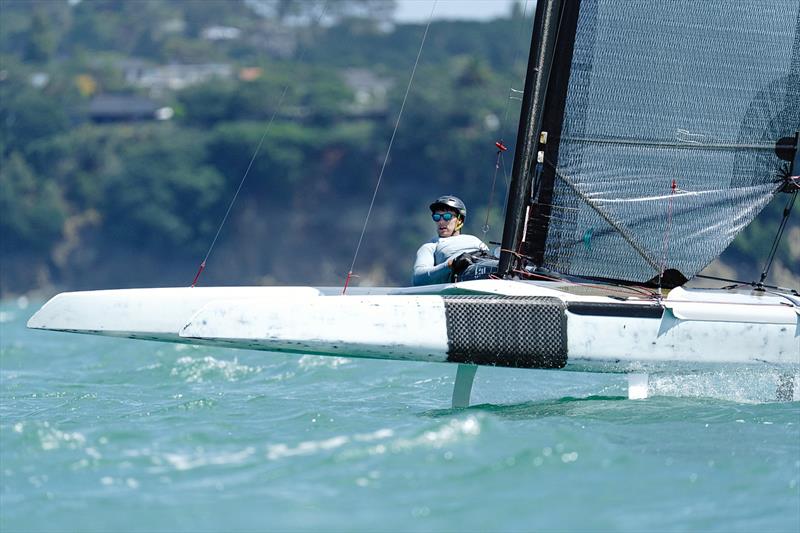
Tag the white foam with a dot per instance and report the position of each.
(198, 370)
(738, 385)
(447, 434)
(53, 439)
(313, 361)
(376, 435)
(279, 451)
(200, 458)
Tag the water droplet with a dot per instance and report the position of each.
(569, 457)
(420, 511)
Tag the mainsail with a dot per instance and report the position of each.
(660, 124)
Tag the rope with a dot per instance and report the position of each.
(611, 287)
(252, 160)
(389, 149)
(620, 289)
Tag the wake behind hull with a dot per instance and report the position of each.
(488, 322)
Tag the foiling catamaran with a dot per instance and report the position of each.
(651, 133)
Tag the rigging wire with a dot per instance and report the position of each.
(253, 158)
(786, 212)
(666, 235)
(389, 148)
(238, 189)
(739, 283)
(500, 149)
(512, 95)
(517, 51)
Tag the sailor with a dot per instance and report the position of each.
(449, 254)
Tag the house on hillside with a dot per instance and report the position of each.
(161, 78)
(125, 108)
(220, 33)
(276, 40)
(370, 91)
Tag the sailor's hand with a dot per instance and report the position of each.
(460, 263)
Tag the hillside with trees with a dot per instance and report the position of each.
(128, 127)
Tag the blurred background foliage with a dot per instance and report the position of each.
(94, 193)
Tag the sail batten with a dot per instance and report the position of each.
(663, 122)
(686, 145)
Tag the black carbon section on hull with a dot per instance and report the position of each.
(616, 309)
(512, 331)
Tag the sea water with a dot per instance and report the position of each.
(101, 434)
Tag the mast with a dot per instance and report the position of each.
(540, 60)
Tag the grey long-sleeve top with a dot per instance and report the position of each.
(432, 257)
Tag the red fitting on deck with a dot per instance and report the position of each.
(199, 271)
(347, 281)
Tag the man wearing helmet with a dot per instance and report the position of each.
(447, 255)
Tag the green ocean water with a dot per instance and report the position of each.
(101, 434)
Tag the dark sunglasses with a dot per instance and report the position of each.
(446, 216)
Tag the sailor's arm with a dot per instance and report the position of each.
(425, 272)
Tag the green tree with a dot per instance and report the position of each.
(163, 196)
(207, 104)
(29, 116)
(41, 39)
(32, 212)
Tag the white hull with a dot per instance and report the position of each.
(421, 324)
